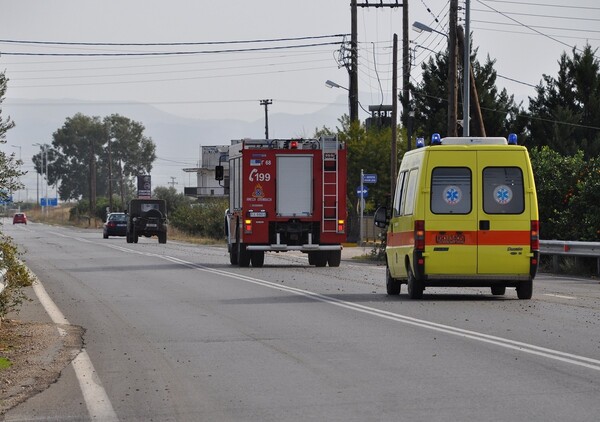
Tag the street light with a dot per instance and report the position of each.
(420, 27)
(331, 84)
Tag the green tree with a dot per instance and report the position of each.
(174, 199)
(501, 115)
(565, 114)
(79, 156)
(16, 277)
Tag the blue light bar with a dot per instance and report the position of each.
(512, 139)
(435, 139)
(420, 142)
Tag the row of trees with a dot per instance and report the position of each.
(87, 152)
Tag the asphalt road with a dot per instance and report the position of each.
(174, 333)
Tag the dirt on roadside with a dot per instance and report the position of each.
(38, 352)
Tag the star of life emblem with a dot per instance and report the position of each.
(503, 194)
(452, 195)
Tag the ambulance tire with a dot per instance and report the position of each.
(334, 258)
(525, 289)
(392, 285)
(243, 255)
(415, 287)
(498, 290)
(257, 258)
(233, 254)
(320, 258)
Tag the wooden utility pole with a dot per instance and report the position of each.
(452, 69)
(92, 178)
(394, 154)
(110, 191)
(353, 87)
(266, 103)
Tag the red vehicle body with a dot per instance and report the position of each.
(284, 195)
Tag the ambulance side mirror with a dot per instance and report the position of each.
(381, 219)
(219, 173)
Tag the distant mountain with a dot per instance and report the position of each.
(174, 136)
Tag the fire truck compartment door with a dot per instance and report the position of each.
(294, 185)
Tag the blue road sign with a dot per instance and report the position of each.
(362, 194)
(369, 178)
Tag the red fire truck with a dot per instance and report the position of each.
(286, 195)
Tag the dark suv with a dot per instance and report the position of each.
(147, 217)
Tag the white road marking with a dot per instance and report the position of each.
(559, 296)
(96, 400)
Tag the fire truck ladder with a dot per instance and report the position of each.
(330, 213)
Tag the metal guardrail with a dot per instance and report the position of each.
(557, 248)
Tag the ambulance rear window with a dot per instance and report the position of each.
(503, 191)
(451, 190)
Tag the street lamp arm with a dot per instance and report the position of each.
(420, 27)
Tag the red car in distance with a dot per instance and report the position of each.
(20, 218)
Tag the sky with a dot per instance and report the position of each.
(214, 59)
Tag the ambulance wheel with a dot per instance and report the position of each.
(257, 258)
(233, 254)
(320, 259)
(525, 289)
(498, 290)
(415, 287)
(392, 285)
(243, 255)
(334, 258)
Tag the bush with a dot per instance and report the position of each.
(16, 278)
(205, 219)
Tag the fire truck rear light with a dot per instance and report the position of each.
(340, 226)
(247, 226)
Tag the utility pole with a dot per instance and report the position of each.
(469, 79)
(353, 89)
(173, 182)
(266, 103)
(92, 179)
(394, 154)
(110, 191)
(406, 108)
(452, 69)
(353, 86)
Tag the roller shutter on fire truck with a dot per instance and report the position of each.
(294, 185)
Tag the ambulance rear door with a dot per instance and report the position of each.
(504, 221)
(451, 215)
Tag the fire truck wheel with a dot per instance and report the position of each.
(392, 285)
(320, 258)
(233, 254)
(415, 287)
(334, 258)
(525, 289)
(257, 258)
(243, 256)
(311, 258)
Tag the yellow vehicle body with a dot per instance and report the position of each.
(464, 214)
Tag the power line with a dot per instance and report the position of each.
(563, 6)
(159, 44)
(168, 53)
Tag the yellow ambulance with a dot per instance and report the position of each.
(464, 214)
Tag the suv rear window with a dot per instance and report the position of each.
(503, 191)
(451, 190)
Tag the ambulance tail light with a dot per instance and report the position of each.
(535, 235)
(420, 235)
(248, 226)
(340, 226)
